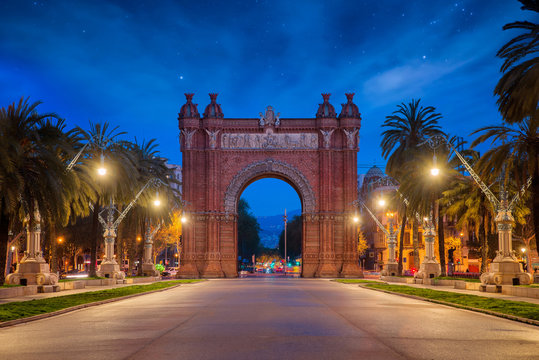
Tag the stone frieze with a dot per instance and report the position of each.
(269, 140)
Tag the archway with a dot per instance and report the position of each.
(317, 156)
(260, 241)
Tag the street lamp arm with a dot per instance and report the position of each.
(495, 202)
(407, 203)
(519, 194)
(155, 230)
(74, 161)
(132, 203)
(378, 223)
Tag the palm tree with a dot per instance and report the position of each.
(150, 165)
(31, 172)
(518, 153)
(120, 180)
(465, 200)
(518, 88)
(408, 127)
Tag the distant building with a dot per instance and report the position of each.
(177, 175)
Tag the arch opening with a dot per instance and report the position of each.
(261, 252)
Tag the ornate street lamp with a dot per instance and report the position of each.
(505, 268)
(391, 269)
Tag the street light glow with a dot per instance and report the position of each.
(157, 202)
(523, 250)
(184, 219)
(434, 171)
(102, 171)
(356, 219)
(60, 239)
(381, 202)
(13, 248)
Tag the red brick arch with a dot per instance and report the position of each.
(270, 168)
(222, 156)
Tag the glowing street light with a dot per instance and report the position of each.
(60, 240)
(102, 171)
(435, 171)
(356, 219)
(183, 219)
(157, 202)
(381, 203)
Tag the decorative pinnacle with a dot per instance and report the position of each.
(213, 97)
(189, 97)
(350, 97)
(326, 96)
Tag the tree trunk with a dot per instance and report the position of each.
(441, 241)
(140, 245)
(94, 239)
(535, 206)
(53, 247)
(4, 235)
(483, 238)
(415, 242)
(401, 242)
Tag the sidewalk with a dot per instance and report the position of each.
(470, 292)
(67, 292)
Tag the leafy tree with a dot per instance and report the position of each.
(248, 231)
(294, 230)
(362, 245)
(518, 88)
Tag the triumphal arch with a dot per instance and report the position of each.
(316, 156)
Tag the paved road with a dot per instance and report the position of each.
(270, 318)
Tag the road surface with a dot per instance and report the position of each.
(270, 318)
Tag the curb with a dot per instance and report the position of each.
(464, 307)
(78, 307)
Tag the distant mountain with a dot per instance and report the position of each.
(272, 226)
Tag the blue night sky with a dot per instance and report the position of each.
(129, 62)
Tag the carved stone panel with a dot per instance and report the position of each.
(269, 141)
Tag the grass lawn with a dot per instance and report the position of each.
(516, 308)
(17, 310)
(8, 286)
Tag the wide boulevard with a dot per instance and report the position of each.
(270, 318)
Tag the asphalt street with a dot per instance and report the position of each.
(270, 318)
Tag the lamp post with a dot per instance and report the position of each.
(109, 267)
(148, 267)
(505, 268)
(391, 269)
(526, 258)
(285, 219)
(430, 267)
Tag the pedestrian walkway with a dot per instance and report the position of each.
(470, 292)
(67, 292)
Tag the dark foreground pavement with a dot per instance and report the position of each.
(271, 318)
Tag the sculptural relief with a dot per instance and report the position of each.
(351, 137)
(269, 140)
(188, 136)
(213, 138)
